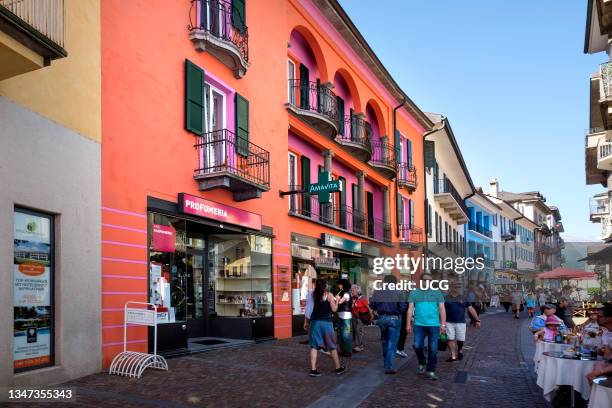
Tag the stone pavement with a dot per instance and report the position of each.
(275, 374)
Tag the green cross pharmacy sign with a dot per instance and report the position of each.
(324, 187)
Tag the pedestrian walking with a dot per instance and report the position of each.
(388, 305)
(531, 304)
(362, 315)
(506, 300)
(517, 302)
(401, 342)
(345, 315)
(426, 306)
(455, 306)
(320, 328)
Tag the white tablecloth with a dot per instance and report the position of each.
(601, 397)
(543, 347)
(555, 371)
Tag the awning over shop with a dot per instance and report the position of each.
(567, 273)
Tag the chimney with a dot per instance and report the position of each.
(494, 188)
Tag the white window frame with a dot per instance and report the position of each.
(291, 85)
(293, 198)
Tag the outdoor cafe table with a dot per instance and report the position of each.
(544, 347)
(601, 396)
(555, 370)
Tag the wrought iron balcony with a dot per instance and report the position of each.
(36, 25)
(315, 104)
(228, 161)
(508, 234)
(410, 236)
(219, 27)
(341, 217)
(406, 176)
(383, 157)
(353, 136)
(472, 226)
(450, 200)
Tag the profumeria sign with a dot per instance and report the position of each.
(190, 204)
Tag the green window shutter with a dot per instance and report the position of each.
(411, 213)
(305, 164)
(304, 87)
(409, 152)
(342, 209)
(194, 98)
(352, 122)
(239, 15)
(398, 208)
(430, 156)
(242, 125)
(340, 105)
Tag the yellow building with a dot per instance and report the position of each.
(50, 133)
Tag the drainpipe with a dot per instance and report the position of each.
(397, 211)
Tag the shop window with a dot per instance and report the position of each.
(233, 278)
(33, 275)
(240, 274)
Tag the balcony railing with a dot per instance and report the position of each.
(480, 229)
(313, 97)
(599, 206)
(45, 17)
(605, 80)
(222, 21)
(604, 150)
(352, 134)
(342, 217)
(410, 234)
(383, 154)
(406, 175)
(444, 186)
(222, 152)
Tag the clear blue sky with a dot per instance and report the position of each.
(511, 77)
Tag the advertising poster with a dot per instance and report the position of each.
(32, 328)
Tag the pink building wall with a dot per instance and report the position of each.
(299, 48)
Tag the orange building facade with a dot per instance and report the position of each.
(216, 118)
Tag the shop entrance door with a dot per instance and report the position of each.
(194, 299)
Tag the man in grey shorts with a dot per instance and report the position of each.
(455, 306)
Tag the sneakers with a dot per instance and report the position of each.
(341, 370)
(432, 376)
(401, 353)
(315, 373)
(421, 369)
(391, 371)
(357, 349)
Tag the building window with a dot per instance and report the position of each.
(33, 277)
(293, 181)
(291, 82)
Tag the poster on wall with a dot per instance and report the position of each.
(32, 302)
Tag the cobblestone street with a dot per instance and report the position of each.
(494, 372)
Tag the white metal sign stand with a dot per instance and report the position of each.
(133, 363)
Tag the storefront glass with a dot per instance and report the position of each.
(236, 270)
(240, 266)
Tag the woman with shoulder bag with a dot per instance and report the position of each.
(362, 315)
